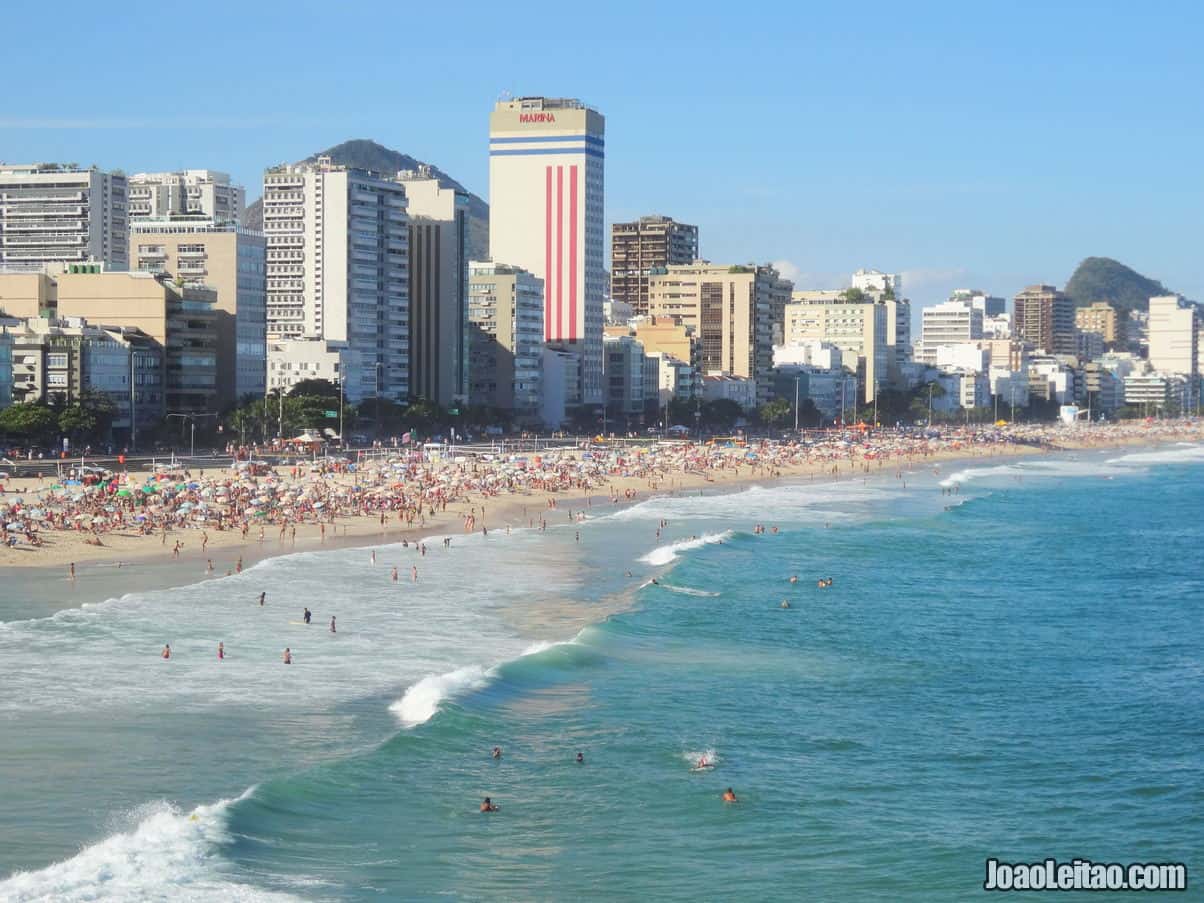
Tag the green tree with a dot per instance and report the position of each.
(33, 422)
(318, 388)
(776, 412)
(77, 422)
(721, 413)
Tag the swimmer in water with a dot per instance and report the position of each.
(497, 752)
(729, 795)
(332, 630)
(785, 604)
(166, 651)
(794, 578)
(488, 806)
(288, 656)
(703, 763)
(580, 758)
(654, 582)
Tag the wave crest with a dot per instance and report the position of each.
(664, 554)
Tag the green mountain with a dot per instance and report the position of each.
(361, 153)
(1105, 279)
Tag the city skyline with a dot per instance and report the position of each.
(958, 152)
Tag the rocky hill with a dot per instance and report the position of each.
(1105, 279)
(362, 153)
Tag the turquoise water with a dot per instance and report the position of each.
(1012, 671)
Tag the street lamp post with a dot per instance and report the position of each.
(796, 379)
(930, 385)
(133, 403)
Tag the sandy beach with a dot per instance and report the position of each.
(474, 502)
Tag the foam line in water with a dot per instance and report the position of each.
(664, 554)
(169, 854)
(1179, 454)
(421, 701)
(686, 590)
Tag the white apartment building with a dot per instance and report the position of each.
(505, 350)
(546, 196)
(997, 327)
(200, 192)
(294, 360)
(969, 357)
(822, 355)
(338, 270)
(990, 305)
(949, 323)
(1174, 336)
(52, 214)
(876, 282)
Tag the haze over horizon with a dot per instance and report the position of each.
(960, 147)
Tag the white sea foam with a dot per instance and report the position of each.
(693, 757)
(798, 503)
(167, 854)
(664, 554)
(421, 701)
(1184, 453)
(686, 590)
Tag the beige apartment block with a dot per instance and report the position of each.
(1100, 318)
(857, 327)
(196, 251)
(730, 309)
(25, 295)
(1044, 317)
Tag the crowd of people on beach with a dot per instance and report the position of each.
(407, 488)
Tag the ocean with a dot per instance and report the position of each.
(1007, 664)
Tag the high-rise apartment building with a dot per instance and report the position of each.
(1044, 317)
(505, 316)
(639, 248)
(731, 311)
(338, 269)
(198, 250)
(199, 192)
(950, 323)
(546, 164)
(1099, 318)
(857, 327)
(1174, 336)
(438, 288)
(51, 214)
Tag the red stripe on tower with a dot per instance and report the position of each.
(573, 336)
(559, 250)
(547, 268)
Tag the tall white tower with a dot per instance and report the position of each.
(546, 162)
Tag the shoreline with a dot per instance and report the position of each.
(137, 563)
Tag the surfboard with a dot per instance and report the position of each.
(301, 623)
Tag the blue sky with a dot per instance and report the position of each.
(963, 144)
